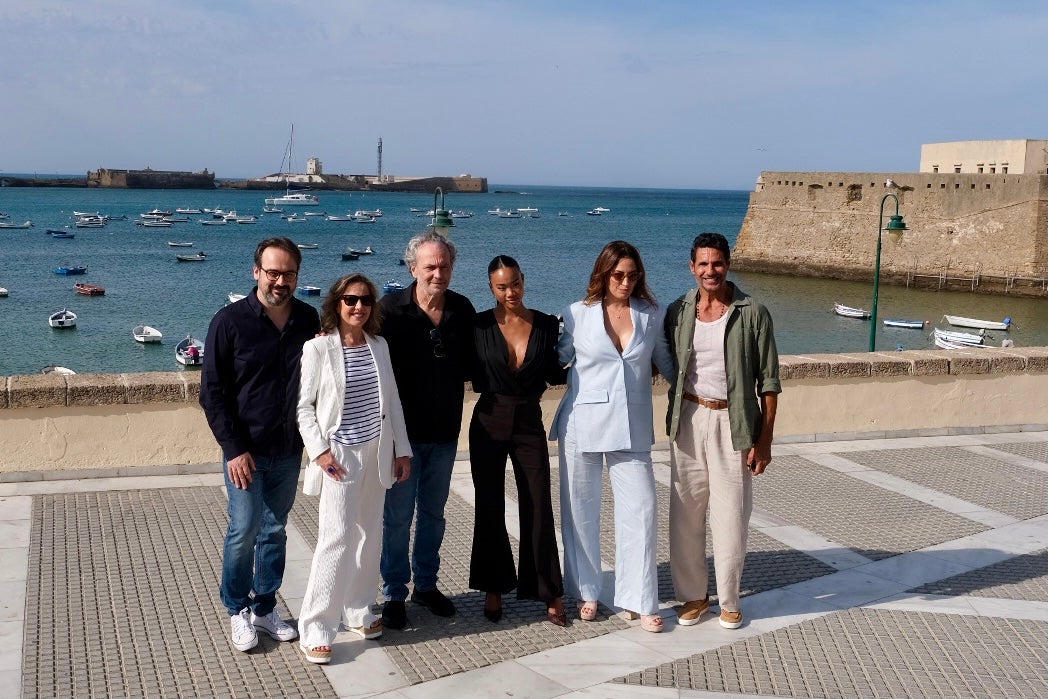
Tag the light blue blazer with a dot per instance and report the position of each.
(608, 393)
(321, 393)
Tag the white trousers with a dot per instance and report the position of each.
(708, 475)
(636, 520)
(344, 577)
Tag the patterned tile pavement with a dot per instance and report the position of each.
(120, 595)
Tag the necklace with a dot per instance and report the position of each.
(618, 309)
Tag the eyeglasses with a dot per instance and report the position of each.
(438, 347)
(274, 274)
(625, 276)
(351, 300)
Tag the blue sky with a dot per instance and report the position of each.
(653, 94)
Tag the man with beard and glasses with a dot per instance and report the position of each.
(429, 329)
(249, 393)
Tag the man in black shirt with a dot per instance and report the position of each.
(430, 335)
(249, 392)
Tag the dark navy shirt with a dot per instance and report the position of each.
(249, 380)
(431, 363)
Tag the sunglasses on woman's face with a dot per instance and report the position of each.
(352, 299)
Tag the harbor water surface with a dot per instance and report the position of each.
(146, 285)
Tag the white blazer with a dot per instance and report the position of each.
(320, 398)
(610, 393)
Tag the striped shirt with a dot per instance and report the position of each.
(361, 417)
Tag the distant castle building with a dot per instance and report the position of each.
(977, 214)
(1015, 157)
(314, 166)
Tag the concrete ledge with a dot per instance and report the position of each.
(118, 424)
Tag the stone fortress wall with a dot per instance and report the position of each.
(983, 231)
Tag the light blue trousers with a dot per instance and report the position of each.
(636, 521)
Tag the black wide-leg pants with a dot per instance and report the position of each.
(507, 426)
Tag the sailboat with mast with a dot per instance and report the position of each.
(292, 198)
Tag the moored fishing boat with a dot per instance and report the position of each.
(899, 323)
(962, 322)
(309, 290)
(849, 312)
(89, 289)
(198, 257)
(146, 334)
(71, 269)
(190, 352)
(62, 319)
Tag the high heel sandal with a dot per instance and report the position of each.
(493, 613)
(649, 622)
(557, 618)
(588, 611)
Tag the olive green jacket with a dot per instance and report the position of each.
(750, 358)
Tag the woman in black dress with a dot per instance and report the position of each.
(516, 357)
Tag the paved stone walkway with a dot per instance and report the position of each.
(910, 567)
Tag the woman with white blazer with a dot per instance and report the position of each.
(610, 339)
(352, 423)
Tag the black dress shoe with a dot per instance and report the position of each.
(435, 600)
(394, 615)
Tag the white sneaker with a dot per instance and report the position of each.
(244, 637)
(276, 627)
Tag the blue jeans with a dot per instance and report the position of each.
(428, 486)
(255, 539)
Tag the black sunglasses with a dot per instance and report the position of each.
(438, 348)
(351, 299)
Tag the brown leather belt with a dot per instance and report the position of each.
(711, 404)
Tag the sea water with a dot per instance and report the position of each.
(146, 285)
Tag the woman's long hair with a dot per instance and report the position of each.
(329, 310)
(610, 256)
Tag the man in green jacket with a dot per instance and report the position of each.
(720, 423)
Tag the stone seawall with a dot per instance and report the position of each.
(91, 425)
(974, 231)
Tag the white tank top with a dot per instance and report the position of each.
(706, 376)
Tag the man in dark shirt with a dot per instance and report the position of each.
(430, 335)
(249, 392)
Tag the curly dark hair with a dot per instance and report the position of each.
(329, 315)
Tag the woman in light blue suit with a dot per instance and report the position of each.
(610, 339)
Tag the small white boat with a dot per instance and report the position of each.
(899, 323)
(529, 211)
(62, 319)
(156, 224)
(315, 213)
(294, 199)
(340, 218)
(309, 290)
(373, 213)
(308, 246)
(246, 219)
(55, 369)
(234, 296)
(295, 219)
(146, 333)
(187, 211)
(27, 224)
(82, 214)
(601, 209)
(3, 292)
(392, 285)
(462, 214)
(175, 219)
(190, 351)
(593, 212)
(364, 219)
(212, 222)
(962, 322)
(943, 343)
(272, 210)
(959, 337)
(849, 312)
(198, 257)
(511, 214)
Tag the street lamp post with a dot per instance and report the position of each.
(442, 222)
(895, 229)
